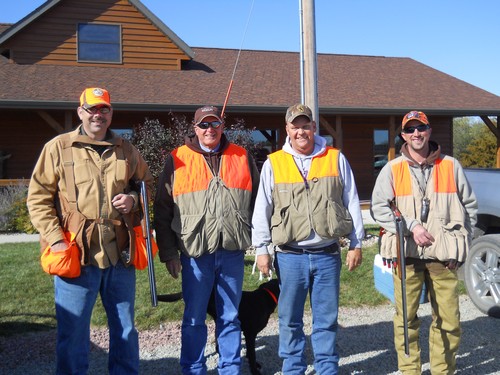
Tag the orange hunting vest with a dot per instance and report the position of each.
(212, 211)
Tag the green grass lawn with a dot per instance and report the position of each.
(27, 296)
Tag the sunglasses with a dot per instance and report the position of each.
(411, 129)
(94, 110)
(206, 125)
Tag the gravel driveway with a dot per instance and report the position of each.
(364, 343)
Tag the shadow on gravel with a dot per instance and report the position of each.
(364, 349)
(373, 344)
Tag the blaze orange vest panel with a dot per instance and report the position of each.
(443, 176)
(234, 170)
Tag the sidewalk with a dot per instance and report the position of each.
(19, 237)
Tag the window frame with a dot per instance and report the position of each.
(118, 43)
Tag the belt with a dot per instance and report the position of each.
(332, 248)
(101, 220)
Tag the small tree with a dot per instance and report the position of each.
(474, 145)
(241, 135)
(155, 140)
(481, 151)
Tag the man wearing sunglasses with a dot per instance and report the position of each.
(439, 211)
(203, 211)
(86, 175)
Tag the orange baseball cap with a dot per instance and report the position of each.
(94, 96)
(415, 115)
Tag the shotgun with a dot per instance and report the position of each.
(146, 232)
(401, 269)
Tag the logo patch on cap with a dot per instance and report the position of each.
(98, 92)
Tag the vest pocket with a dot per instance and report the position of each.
(82, 169)
(451, 242)
(237, 229)
(339, 221)
(280, 235)
(189, 231)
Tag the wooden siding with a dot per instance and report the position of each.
(23, 137)
(52, 39)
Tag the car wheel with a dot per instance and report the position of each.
(482, 274)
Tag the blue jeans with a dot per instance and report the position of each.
(222, 270)
(75, 300)
(318, 274)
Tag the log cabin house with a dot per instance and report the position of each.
(48, 58)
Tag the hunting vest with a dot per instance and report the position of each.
(211, 211)
(305, 203)
(447, 215)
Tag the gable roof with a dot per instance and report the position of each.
(4, 26)
(264, 81)
(38, 12)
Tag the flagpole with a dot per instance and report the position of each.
(309, 64)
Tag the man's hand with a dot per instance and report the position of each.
(123, 203)
(354, 258)
(59, 246)
(264, 264)
(421, 236)
(173, 267)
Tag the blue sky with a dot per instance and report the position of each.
(457, 37)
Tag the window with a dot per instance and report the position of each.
(266, 142)
(380, 149)
(99, 43)
(125, 133)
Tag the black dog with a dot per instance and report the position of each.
(254, 311)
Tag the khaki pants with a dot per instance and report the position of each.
(444, 333)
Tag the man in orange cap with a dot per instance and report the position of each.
(83, 178)
(439, 211)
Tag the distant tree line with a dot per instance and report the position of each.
(474, 145)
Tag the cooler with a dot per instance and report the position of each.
(383, 280)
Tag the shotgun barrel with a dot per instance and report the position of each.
(146, 231)
(401, 269)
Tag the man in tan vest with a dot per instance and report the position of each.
(307, 200)
(202, 209)
(439, 211)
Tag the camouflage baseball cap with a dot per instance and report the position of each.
(297, 110)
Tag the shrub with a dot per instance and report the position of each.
(155, 140)
(14, 216)
(241, 135)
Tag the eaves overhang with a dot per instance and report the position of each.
(253, 109)
(66, 105)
